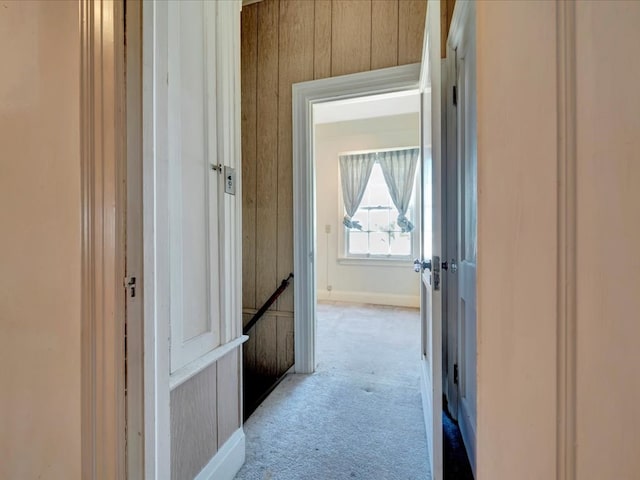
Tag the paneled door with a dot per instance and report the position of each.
(467, 229)
(193, 184)
(431, 246)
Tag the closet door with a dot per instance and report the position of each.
(193, 183)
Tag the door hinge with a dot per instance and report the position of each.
(130, 283)
(455, 95)
(455, 373)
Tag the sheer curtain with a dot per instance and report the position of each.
(355, 171)
(399, 170)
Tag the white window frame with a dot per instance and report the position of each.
(345, 258)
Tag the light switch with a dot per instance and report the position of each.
(229, 180)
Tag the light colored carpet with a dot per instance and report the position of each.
(359, 416)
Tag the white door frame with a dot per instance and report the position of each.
(305, 95)
(102, 164)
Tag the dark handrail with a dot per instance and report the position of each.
(283, 286)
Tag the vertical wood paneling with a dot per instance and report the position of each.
(322, 39)
(296, 65)
(384, 33)
(267, 150)
(411, 18)
(265, 332)
(285, 343)
(228, 396)
(193, 424)
(249, 65)
(350, 36)
(446, 14)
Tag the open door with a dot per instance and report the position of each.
(431, 240)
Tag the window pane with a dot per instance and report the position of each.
(379, 220)
(379, 196)
(358, 243)
(400, 243)
(379, 243)
(362, 217)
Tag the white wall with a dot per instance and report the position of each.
(388, 285)
(39, 240)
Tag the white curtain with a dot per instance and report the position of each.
(399, 170)
(355, 171)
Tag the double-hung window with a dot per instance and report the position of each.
(379, 236)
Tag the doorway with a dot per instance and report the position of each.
(305, 96)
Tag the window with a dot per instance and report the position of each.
(380, 235)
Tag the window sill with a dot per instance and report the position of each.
(375, 262)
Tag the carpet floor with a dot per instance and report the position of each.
(359, 416)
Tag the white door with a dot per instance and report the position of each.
(467, 238)
(431, 240)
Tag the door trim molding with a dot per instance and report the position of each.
(305, 95)
(102, 164)
(566, 274)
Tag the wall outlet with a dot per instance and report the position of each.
(327, 228)
(329, 288)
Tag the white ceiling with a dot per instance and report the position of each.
(367, 107)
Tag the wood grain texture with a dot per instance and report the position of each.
(228, 396)
(266, 363)
(322, 39)
(296, 65)
(411, 18)
(284, 342)
(194, 424)
(267, 150)
(249, 69)
(350, 36)
(446, 15)
(384, 33)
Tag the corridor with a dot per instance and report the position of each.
(360, 414)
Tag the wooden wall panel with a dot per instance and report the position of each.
(411, 17)
(267, 150)
(249, 66)
(322, 39)
(296, 65)
(384, 33)
(265, 332)
(194, 424)
(284, 43)
(350, 36)
(228, 396)
(446, 15)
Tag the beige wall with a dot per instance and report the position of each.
(39, 240)
(608, 240)
(517, 240)
(394, 283)
(525, 247)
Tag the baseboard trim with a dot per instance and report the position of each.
(370, 297)
(425, 386)
(468, 432)
(228, 461)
